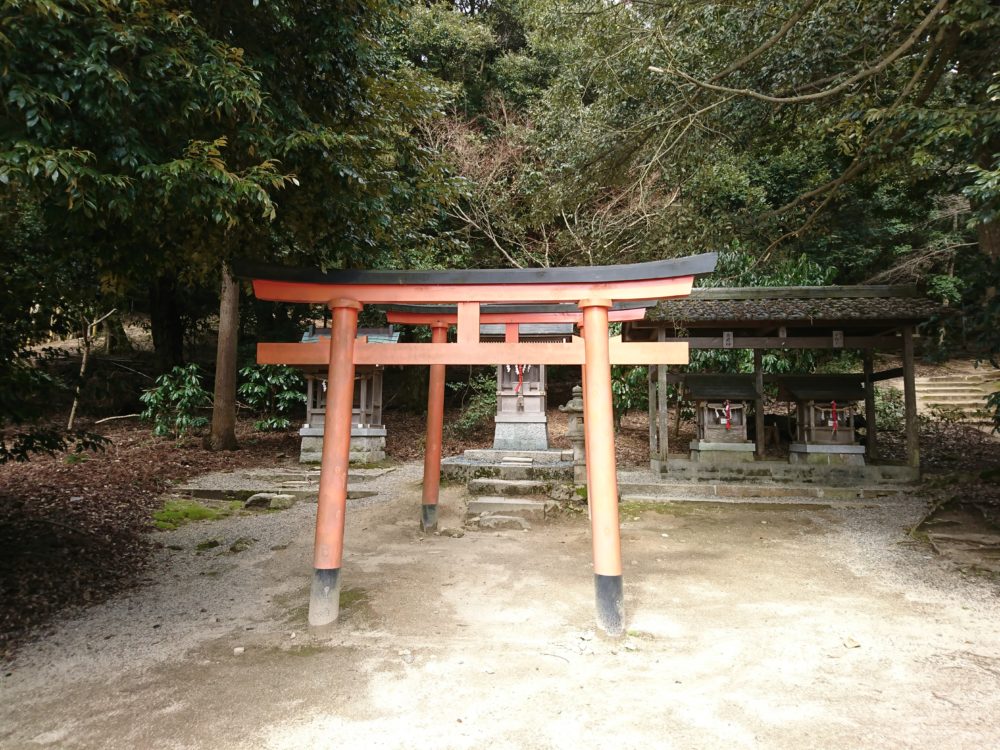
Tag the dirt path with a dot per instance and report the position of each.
(760, 626)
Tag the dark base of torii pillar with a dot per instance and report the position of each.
(599, 428)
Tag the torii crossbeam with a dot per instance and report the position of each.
(589, 296)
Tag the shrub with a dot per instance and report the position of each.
(890, 411)
(172, 404)
(273, 392)
(479, 405)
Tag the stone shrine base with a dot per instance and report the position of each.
(826, 455)
(704, 451)
(521, 432)
(367, 445)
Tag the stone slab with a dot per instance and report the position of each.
(516, 487)
(705, 445)
(509, 506)
(822, 448)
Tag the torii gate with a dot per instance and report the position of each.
(584, 295)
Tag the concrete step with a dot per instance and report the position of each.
(947, 390)
(773, 473)
(986, 376)
(461, 469)
(951, 398)
(490, 456)
(523, 507)
(518, 487)
(743, 492)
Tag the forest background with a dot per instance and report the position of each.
(145, 144)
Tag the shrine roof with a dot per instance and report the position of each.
(822, 387)
(735, 387)
(693, 265)
(857, 304)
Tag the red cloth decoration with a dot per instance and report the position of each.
(833, 407)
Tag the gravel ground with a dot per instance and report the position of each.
(758, 626)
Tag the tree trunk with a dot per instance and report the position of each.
(165, 322)
(223, 435)
(116, 340)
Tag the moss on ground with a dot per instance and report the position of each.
(179, 511)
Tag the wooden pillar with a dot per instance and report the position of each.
(324, 599)
(599, 426)
(910, 401)
(871, 436)
(758, 404)
(435, 435)
(651, 410)
(662, 416)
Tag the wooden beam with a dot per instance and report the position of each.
(389, 294)
(662, 415)
(895, 372)
(538, 353)
(882, 343)
(871, 438)
(758, 404)
(910, 401)
(424, 319)
(468, 323)
(806, 292)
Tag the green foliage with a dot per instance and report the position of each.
(479, 403)
(629, 390)
(172, 404)
(273, 392)
(890, 410)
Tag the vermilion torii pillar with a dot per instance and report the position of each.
(435, 435)
(586, 295)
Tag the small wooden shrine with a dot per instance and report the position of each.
(721, 408)
(825, 407)
(368, 431)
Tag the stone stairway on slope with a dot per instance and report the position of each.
(962, 392)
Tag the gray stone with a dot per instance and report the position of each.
(453, 533)
(281, 502)
(562, 493)
(507, 506)
(523, 436)
(261, 500)
(490, 521)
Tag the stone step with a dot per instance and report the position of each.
(490, 456)
(736, 492)
(460, 469)
(952, 398)
(775, 472)
(985, 376)
(523, 507)
(522, 487)
(947, 390)
(972, 406)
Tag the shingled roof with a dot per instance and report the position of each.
(793, 304)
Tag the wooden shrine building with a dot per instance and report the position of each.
(867, 319)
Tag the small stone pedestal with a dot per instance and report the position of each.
(367, 444)
(826, 455)
(704, 451)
